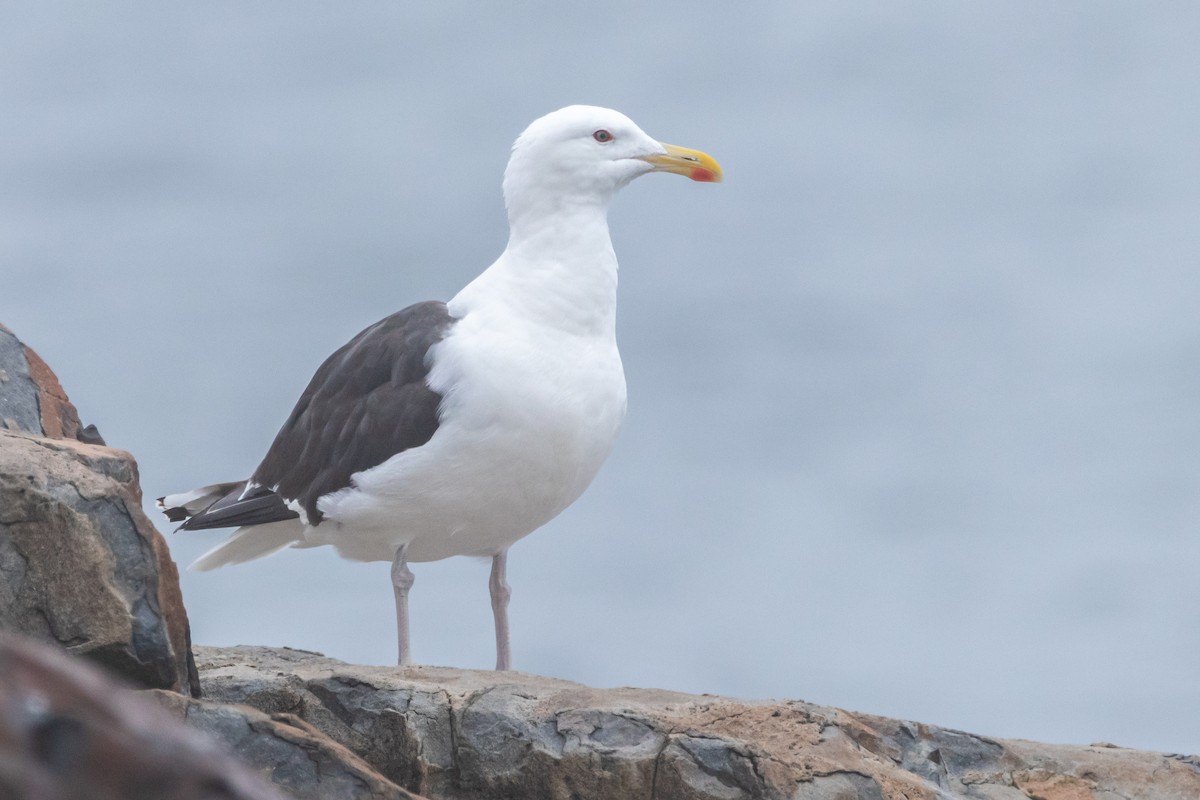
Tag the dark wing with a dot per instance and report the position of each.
(224, 506)
(366, 403)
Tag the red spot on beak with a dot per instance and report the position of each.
(703, 175)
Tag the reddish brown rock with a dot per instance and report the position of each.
(31, 398)
(80, 563)
(60, 420)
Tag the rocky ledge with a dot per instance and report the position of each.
(449, 733)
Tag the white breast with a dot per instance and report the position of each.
(529, 414)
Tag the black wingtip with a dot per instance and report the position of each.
(258, 507)
(176, 514)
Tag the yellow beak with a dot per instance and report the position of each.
(682, 161)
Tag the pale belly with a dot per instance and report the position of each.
(523, 433)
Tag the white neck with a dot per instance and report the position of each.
(558, 270)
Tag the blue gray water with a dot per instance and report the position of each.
(913, 422)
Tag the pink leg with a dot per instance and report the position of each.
(500, 594)
(402, 581)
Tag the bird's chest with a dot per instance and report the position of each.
(539, 406)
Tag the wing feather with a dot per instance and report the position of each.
(366, 403)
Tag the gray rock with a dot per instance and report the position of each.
(464, 734)
(31, 398)
(840, 786)
(19, 406)
(68, 732)
(298, 759)
(80, 564)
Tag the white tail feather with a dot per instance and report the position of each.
(251, 542)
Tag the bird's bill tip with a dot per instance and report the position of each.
(684, 161)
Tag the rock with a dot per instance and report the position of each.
(458, 734)
(67, 732)
(31, 398)
(295, 756)
(80, 564)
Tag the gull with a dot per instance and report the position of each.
(456, 428)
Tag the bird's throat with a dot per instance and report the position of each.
(560, 273)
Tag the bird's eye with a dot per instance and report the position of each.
(602, 136)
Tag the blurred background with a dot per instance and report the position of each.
(913, 424)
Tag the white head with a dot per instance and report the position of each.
(581, 155)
